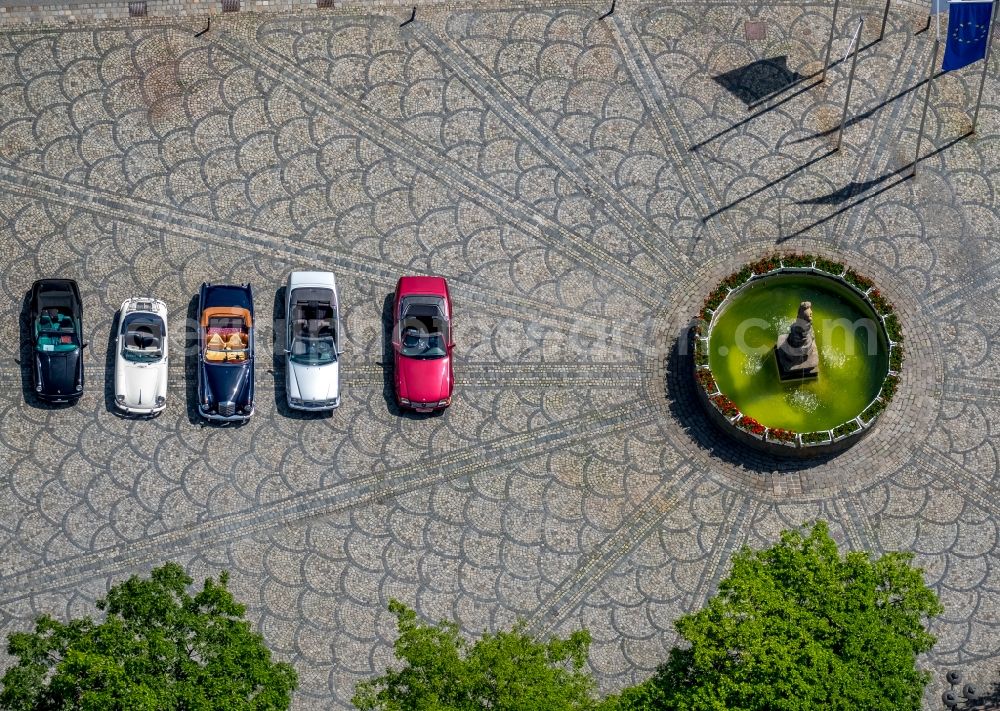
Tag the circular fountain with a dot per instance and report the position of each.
(797, 355)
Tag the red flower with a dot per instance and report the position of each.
(726, 406)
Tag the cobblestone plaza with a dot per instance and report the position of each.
(582, 184)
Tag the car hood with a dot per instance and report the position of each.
(423, 380)
(141, 384)
(313, 383)
(229, 383)
(58, 372)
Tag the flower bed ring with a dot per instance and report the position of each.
(797, 444)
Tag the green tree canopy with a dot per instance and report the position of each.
(506, 671)
(798, 627)
(159, 649)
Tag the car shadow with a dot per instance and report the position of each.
(686, 407)
(388, 368)
(190, 350)
(24, 359)
(109, 369)
(278, 364)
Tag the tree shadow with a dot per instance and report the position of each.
(684, 404)
(759, 80)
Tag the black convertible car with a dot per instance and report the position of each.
(56, 327)
(226, 348)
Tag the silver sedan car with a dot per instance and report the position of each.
(312, 341)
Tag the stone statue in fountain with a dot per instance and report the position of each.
(796, 351)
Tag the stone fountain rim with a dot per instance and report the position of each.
(798, 447)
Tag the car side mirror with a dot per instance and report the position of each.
(288, 351)
(85, 344)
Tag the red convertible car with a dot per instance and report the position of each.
(422, 341)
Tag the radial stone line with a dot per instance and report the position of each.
(668, 123)
(192, 226)
(602, 560)
(398, 141)
(361, 491)
(544, 140)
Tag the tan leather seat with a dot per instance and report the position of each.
(235, 342)
(216, 343)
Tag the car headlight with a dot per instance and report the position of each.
(403, 401)
(38, 388)
(445, 402)
(160, 400)
(79, 387)
(120, 399)
(248, 408)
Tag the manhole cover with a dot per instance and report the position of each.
(755, 30)
(137, 9)
(324, 4)
(230, 5)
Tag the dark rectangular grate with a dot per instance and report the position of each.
(137, 9)
(230, 5)
(324, 4)
(755, 30)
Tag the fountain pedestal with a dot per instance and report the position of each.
(796, 351)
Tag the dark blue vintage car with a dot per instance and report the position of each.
(56, 314)
(226, 352)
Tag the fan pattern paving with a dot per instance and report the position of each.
(581, 184)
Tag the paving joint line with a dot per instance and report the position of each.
(395, 139)
(196, 227)
(608, 553)
(731, 535)
(646, 79)
(548, 144)
(360, 491)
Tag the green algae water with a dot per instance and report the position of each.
(853, 352)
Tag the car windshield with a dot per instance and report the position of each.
(313, 326)
(55, 331)
(423, 327)
(142, 338)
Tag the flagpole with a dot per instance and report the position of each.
(829, 41)
(850, 81)
(927, 100)
(986, 63)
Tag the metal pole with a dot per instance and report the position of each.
(885, 19)
(986, 63)
(850, 82)
(927, 100)
(829, 41)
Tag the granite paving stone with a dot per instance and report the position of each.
(583, 184)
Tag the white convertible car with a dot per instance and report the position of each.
(312, 318)
(141, 357)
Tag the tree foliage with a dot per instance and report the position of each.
(506, 671)
(158, 649)
(798, 627)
